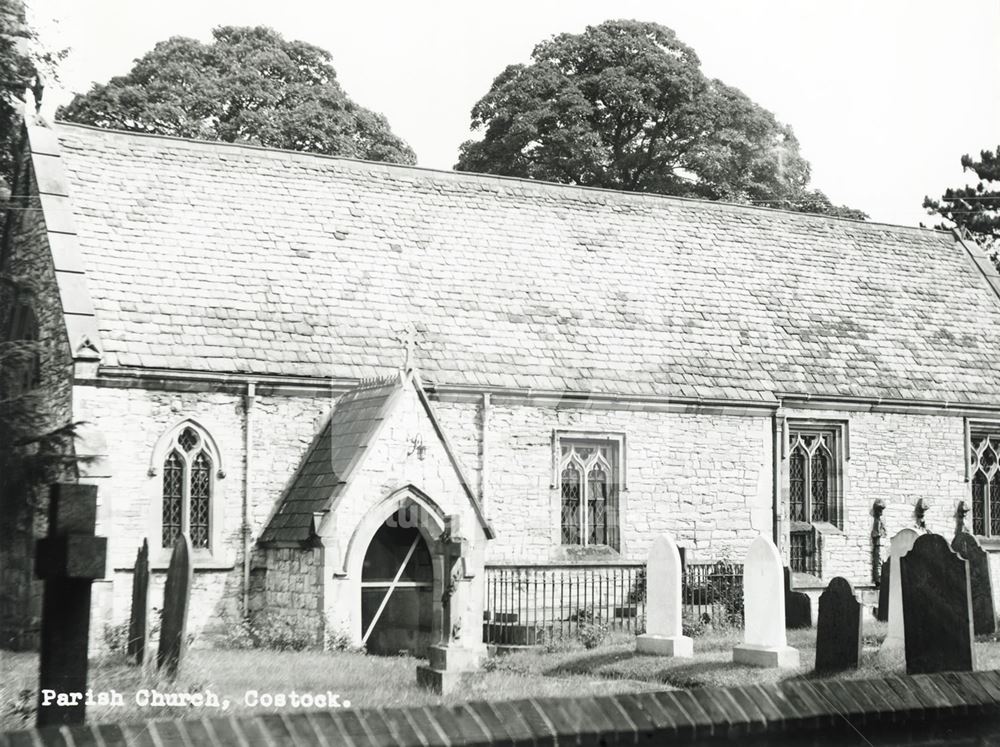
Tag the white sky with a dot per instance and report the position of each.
(884, 95)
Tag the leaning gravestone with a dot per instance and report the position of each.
(138, 625)
(838, 629)
(764, 641)
(937, 606)
(664, 635)
(882, 613)
(984, 619)
(892, 646)
(176, 595)
(798, 607)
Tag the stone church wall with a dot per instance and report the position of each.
(898, 458)
(286, 594)
(131, 421)
(20, 523)
(704, 478)
(707, 479)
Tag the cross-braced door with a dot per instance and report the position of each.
(397, 581)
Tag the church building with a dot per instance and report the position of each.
(324, 371)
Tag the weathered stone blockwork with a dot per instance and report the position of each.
(131, 422)
(23, 518)
(704, 479)
(898, 458)
(286, 592)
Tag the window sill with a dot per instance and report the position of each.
(202, 561)
(584, 554)
(825, 527)
(990, 544)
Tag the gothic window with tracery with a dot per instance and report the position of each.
(811, 473)
(187, 489)
(985, 484)
(589, 492)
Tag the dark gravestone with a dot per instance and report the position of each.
(838, 630)
(798, 607)
(984, 620)
(937, 607)
(69, 559)
(176, 595)
(882, 613)
(138, 625)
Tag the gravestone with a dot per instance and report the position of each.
(882, 612)
(892, 649)
(984, 619)
(937, 606)
(664, 634)
(764, 641)
(176, 597)
(69, 559)
(838, 629)
(138, 625)
(798, 607)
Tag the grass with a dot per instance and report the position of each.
(371, 681)
(364, 681)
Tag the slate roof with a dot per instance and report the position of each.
(233, 259)
(338, 449)
(326, 468)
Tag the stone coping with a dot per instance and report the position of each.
(813, 710)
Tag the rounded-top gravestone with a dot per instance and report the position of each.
(891, 650)
(838, 630)
(764, 642)
(664, 634)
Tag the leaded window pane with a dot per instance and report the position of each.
(985, 486)
(571, 505)
(597, 497)
(995, 506)
(797, 485)
(173, 497)
(979, 487)
(820, 486)
(201, 482)
(188, 439)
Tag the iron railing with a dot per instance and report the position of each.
(527, 605)
(805, 551)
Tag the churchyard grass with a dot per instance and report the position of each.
(370, 681)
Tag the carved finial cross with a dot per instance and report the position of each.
(409, 341)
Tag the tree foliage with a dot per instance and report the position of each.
(625, 105)
(21, 63)
(974, 208)
(249, 85)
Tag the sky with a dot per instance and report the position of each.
(884, 96)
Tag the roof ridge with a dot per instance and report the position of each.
(473, 176)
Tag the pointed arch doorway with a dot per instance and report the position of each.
(397, 584)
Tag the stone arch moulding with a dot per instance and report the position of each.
(159, 451)
(431, 523)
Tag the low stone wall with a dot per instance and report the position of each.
(920, 710)
(286, 591)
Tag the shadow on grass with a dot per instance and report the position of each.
(591, 664)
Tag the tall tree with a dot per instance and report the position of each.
(974, 208)
(248, 85)
(21, 63)
(625, 105)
